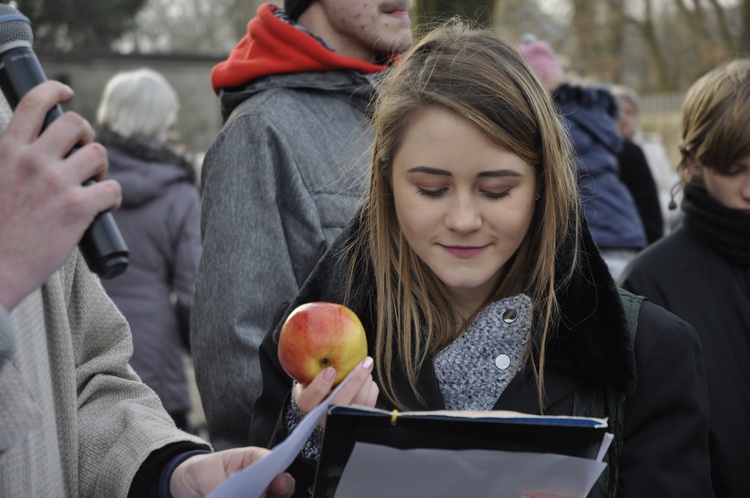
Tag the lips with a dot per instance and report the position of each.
(395, 7)
(464, 252)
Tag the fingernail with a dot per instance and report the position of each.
(329, 373)
(367, 364)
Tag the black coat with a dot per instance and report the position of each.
(686, 276)
(665, 450)
(635, 173)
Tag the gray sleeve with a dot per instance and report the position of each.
(18, 411)
(248, 268)
(186, 256)
(6, 338)
(120, 421)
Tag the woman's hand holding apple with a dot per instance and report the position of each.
(361, 389)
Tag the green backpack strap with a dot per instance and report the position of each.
(602, 402)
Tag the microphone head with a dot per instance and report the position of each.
(15, 28)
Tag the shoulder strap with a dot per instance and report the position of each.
(603, 402)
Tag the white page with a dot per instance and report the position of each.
(252, 481)
(375, 471)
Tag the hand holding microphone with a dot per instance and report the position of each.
(102, 245)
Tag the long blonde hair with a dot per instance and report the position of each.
(480, 77)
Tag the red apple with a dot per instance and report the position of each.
(319, 335)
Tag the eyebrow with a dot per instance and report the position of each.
(485, 174)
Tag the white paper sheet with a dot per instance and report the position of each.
(432, 473)
(252, 481)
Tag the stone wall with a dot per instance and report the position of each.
(199, 119)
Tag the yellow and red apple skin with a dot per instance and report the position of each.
(318, 335)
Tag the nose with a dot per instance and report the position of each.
(463, 215)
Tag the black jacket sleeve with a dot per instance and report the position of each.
(636, 175)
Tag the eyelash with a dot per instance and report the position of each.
(436, 194)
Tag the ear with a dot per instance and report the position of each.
(694, 167)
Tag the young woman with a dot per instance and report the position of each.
(701, 271)
(479, 285)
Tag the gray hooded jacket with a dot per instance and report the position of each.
(280, 181)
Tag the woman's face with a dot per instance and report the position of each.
(463, 204)
(733, 189)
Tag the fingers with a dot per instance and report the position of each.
(357, 391)
(89, 161)
(66, 132)
(31, 111)
(361, 389)
(281, 487)
(308, 397)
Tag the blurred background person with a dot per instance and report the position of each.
(701, 271)
(635, 173)
(664, 175)
(589, 114)
(160, 221)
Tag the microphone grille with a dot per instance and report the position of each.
(14, 26)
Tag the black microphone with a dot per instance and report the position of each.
(102, 245)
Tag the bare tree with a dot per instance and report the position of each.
(75, 24)
(430, 11)
(744, 37)
(189, 26)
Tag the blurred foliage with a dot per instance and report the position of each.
(431, 11)
(650, 45)
(71, 24)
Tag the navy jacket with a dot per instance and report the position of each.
(611, 212)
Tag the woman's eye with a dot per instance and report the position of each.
(431, 193)
(496, 195)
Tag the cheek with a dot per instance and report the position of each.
(514, 225)
(408, 212)
(353, 19)
(721, 190)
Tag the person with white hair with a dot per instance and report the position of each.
(160, 221)
(664, 175)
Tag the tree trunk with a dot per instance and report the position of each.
(431, 11)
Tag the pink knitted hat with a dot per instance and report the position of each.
(542, 59)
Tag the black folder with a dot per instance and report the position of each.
(507, 431)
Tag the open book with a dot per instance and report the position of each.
(454, 453)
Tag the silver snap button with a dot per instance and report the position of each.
(510, 316)
(502, 361)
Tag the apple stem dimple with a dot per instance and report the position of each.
(325, 362)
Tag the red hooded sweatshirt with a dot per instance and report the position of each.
(272, 46)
